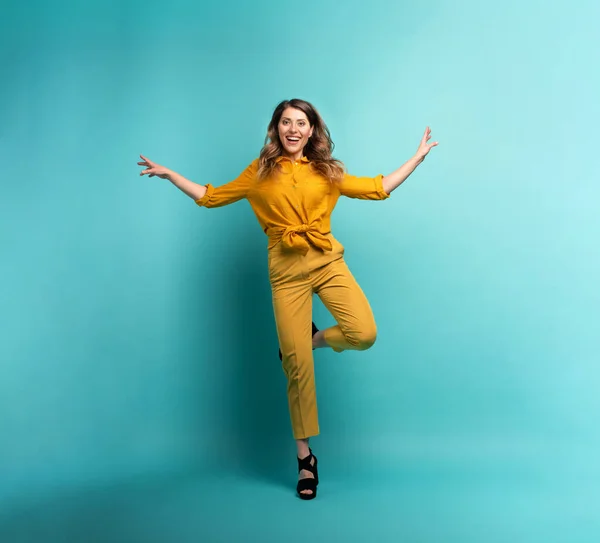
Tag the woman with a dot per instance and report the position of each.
(293, 187)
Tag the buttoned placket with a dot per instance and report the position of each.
(295, 181)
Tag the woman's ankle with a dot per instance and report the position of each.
(318, 340)
(302, 448)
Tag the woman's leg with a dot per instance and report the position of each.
(345, 300)
(292, 307)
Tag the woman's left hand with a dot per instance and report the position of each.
(425, 147)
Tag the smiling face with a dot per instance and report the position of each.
(294, 131)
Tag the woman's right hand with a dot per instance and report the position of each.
(153, 169)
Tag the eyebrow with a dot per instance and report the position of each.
(289, 119)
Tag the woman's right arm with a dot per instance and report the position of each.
(193, 190)
(209, 195)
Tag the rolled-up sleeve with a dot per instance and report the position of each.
(363, 188)
(229, 192)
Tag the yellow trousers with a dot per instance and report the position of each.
(294, 279)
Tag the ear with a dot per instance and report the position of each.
(311, 132)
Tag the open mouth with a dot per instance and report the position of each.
(292, 140)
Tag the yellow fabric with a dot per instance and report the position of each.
(294, 205)
(294, 279)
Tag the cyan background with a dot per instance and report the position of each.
(141, 397)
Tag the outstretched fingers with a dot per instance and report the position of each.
(148, 163)
(427, 137)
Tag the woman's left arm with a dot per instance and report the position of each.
(395, 179)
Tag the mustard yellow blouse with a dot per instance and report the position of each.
(295, 200)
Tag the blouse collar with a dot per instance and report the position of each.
(280, 158)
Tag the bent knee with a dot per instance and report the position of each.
(363, 340)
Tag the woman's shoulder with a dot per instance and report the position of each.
(251, 171)
(253, 166)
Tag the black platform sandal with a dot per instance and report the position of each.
(308, 483)
(314, 331)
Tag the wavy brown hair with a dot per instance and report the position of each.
(318, 149)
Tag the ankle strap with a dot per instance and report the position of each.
(304, 463)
